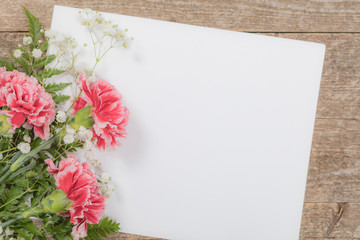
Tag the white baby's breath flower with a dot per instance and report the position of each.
(61, 116)
(70, 130)
(9, 232)
(1, 230)
(27, 40)
(88, 145)
(49, 33)
(36, 53)
(88, 11)
(59, 37)
(89, 155)
(82, 132)
(105, 177)
(24, 147)
(1, 156)
(89, 134)
(17, 53)
(27, 138)
(69, 138)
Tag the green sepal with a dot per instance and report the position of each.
(82, 118)
(4, 125)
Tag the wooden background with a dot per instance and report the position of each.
(332, 201)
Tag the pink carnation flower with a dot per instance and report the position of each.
(110, 115)
(80, 186)
(27, 100)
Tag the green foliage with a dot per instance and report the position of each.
(34, 26)
(55, 87)
(60, 98)
(101, 230)
(82, 118)
(26, 62)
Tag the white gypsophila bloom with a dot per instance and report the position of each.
(70, 130)
(61, 116)
(69, 138)
(88, 145)
(94, 162)
(17, 53)
(24, 147)
(1, 230)
(9, 232)
(60, 53)
(49, 33)
(36, 53)
(106, 189)
(27, 138)
(1, 156)
(27, 40)
(89, 154)
(59, 37)
(82, 132)
(89, 134)
(105, 177)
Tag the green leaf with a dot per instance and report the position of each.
(31, 227)
(60, 98)
(9, 65)
(25, 53)
(34, 26)
(23, 63)
(105, 227)
(22, 181)
(42, 62)
(54, 87)
(43, 46)
(25, 234)
(82, 118)
(49, 72)
(13, 193)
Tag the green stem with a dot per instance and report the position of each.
(8, 150)
(23, 158)
(11, 221)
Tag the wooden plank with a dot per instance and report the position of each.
(122, 236)
(241, 15)
(318, 216)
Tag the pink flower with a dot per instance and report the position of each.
(27, 100)
(109, 113)
(80, 185)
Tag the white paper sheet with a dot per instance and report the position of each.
(220, 129)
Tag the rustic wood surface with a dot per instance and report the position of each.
(332, 200)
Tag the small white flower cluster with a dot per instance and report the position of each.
(106, 188)
(36, 53)
(89, 154)
(82, 134)
(61, 116)
(24, 147)
(67, 51)
(17, 53)
(103, 30)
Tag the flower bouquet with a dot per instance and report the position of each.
(48, 189)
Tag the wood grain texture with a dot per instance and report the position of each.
(334, 171)
(240, 15)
